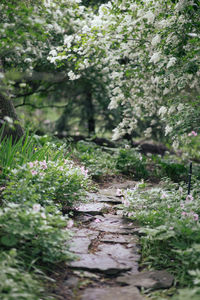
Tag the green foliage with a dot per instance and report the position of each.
(36, 233)
(130, 162)
(98, 162)
(39, 181)
(15, 154)
(28, 148)
(46, 182)
(15, 282)
(174, 171)
(171, 226)
(170, 167)
(185, 294)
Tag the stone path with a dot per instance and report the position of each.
(108, 253)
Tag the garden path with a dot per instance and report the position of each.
(108, 251)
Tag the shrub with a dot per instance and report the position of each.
(175, 171)
(98, 162)
(36, 234)
(130, 162)
(46, 181)
(28, 148)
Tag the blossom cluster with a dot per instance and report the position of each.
(135, 48)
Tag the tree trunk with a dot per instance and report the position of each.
(7, 109)
(90, 113)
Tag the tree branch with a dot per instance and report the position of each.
(40, 107)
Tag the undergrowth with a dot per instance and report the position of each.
(169, 220)
(40, 177)
(37, 180)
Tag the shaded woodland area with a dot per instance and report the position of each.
(99, 149)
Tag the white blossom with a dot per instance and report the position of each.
(155, 57)
(150, 16)
(53, 52)
(155, 40)
(162, 111)
(171, 62)
(168, 129)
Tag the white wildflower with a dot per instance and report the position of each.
(8, 119)
(36, 207)
(180, 107)
(192, 34)
(22, 85)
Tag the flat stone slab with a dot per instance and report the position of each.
(113, 190)
(104, 198)
(111, 293)
(113, 224)
(99, 262)
(121, 239)
(152, 279)
(109, 193)
(85, 274)
(110, 199)
(84, 218)
(80, 244)
(128, 184)
(128, 257)
(84, 232)
(92, 208)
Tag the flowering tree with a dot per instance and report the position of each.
(147, 53)
(28, 31)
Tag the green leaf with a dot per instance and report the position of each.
(9, 240)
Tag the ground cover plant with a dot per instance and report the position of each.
(169, 220)
(33, 230)
(131, 162)
(103, 162)
(16, 283)
(99, 162)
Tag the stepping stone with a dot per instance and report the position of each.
(71, 282)
(92, 196)
(152, 279)
(110, 199)
(129, 184)
(112, 191)
(103, 198)
(110, 293)
(84, 232)
(93, 208)
(80, 244)
(121, 239)
(84, 218)
(86, 274)
(128, 257)
(113, 224)
(109, 193)
(99, 262)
